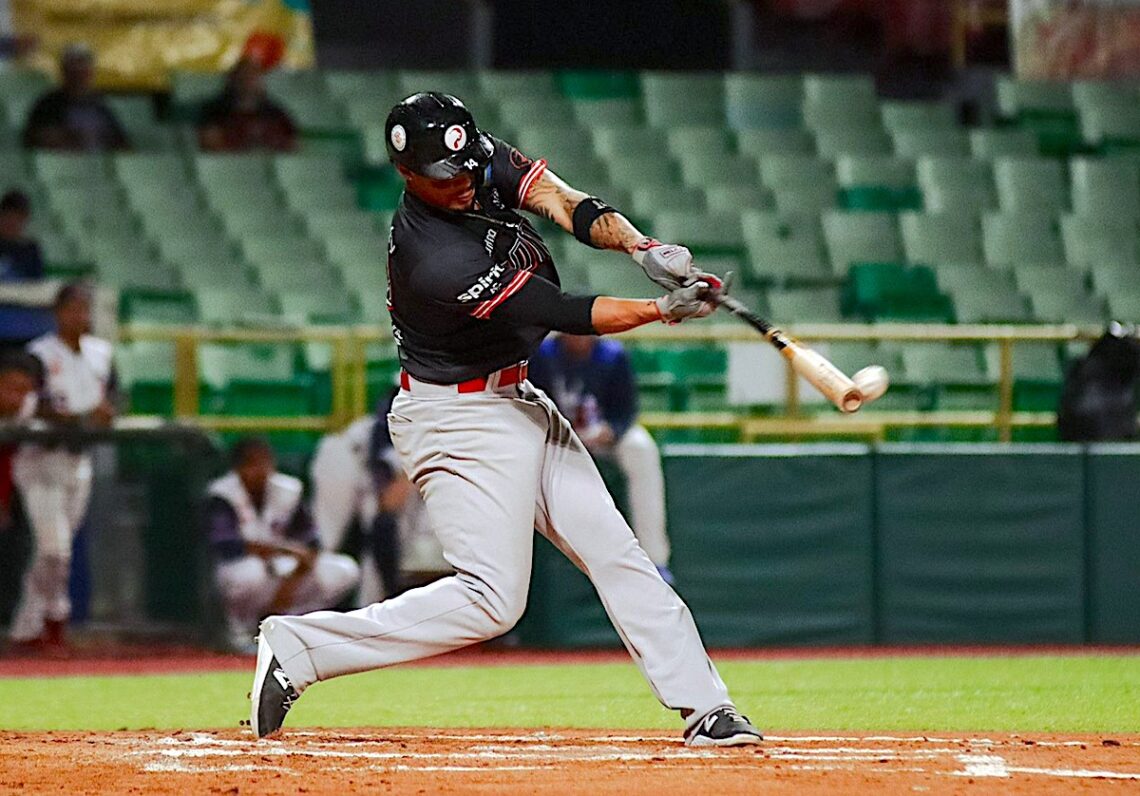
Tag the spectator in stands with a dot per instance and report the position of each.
(1102, 390)
(77, 390)
(592, 382)
(243, 118)
(19, 374)
(266, 547)
(20, 258)
(12, 44)
(74, 117)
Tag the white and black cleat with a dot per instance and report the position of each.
(723, 727)
(272, 693)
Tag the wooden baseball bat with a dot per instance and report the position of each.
(831, 382)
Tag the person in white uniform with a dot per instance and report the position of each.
(266, 547)
(77, 389)
(473, 290)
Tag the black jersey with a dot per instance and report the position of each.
(473, 292)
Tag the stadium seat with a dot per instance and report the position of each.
(783, 249)
(556, 143)
(1112, 127)
(1065, 307)
(682, 98)
(832, 101)
(595, 113)
(550, 110)
(763, 101)
(737, 197)
(517, 83)
(1106, 187)
(913, 115)
(234, 304)
(599, 84)
(463, 84)
(1019, 98)
(853, 171)
(1125, 306)
(990, 304)
(376, 86)
(643, 170)
(1010, 239)
(805, 305)
(911, 143)
(79, 171)
(157, 306)
(1090, 240)
(694, 141)
(1033, 280)
(988, 144)
(758, 143)
(935, 238)
(317, 306)
(704, 171)
(615, 143)
(1109, 278)
(188, 90)
(861, 238)
(834, 142)
(940, 364)
(325, 224)
(1030, 184)
(891, 291)
(953, 183)
(707, 234)
(649, 201)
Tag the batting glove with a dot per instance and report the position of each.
(668, 265)
(690, 301)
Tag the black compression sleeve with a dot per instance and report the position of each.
(586, 213)
(541, 303)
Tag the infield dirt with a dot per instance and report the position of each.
(498, 761)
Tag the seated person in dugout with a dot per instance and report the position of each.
(265, 545)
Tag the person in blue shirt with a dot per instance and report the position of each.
(20, 257)
(592, 382)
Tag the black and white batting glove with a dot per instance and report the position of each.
(667, 264)
(684, 303)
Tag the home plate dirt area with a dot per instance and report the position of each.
(418, 760)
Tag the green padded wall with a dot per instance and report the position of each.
(1114, 544)
(772, 543)
(980, 543)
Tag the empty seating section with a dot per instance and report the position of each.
(830, 202)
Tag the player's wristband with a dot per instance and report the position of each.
(586, 213)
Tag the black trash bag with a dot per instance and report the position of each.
(1100, 396)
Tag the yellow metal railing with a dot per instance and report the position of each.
(348, 364)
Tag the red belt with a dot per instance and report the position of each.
(513, 374)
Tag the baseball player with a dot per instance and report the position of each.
(78, 389)
(472, 291)
(265, 544)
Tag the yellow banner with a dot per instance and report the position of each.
(138, 43)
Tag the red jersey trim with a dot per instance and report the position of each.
(484, 310)
(529, 179)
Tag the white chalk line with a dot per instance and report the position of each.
(191, 754)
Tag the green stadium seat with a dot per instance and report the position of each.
(805, 305)
(595, 113)
(698, 141)
(832, 101)
(265, 250)
(138, 168)
(1030, 184)
(381, 87)
(734, 198)
(704, 233)
(806, 199)
(1125, 306)
(952, 183)
(989, 304)
(1064, 307)
(555, 142)
(794, 170)
(991, 143)
(1106, 187)
(517, 83)
(610, 276)
(20, 82)
(461, 83)
(919, 143)
(861, 238)
(1109, 278)
(146, 370)
(215, 271)
(1112, 127)
(763, 101)
(857, 171)
(940, 364)
(317, 306)
(1090, 240)
(549, 110)
(157, 306)
(348, 249)
(1018, 98)
(57, 247)
(758, 143)
(1010, 239)
(79, 171)
(644, 170)
(887, 291)
(188, 90)
(936, 238)
(914, 115)
(673, 99)
(325, 224)
(615, 143)
(234, 304)
(598, 84)
(649, 201)
(243, 222)
(833, 142)
(705, 170)
(783, 249)
(374, 307)
(230, 170)
(1036, 372)
(1035, 279)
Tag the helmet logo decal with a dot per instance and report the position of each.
(455, 138)
(399, 137)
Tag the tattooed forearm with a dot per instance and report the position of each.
(614, 231)
(552, 198)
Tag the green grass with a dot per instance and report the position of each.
(1059, 694)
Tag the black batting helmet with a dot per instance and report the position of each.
(434, 135)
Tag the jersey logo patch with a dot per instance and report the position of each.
(488, 281)
(518, 159)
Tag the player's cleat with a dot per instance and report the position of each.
(272, 693)
(723, 727)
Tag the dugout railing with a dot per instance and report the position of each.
(350, 349)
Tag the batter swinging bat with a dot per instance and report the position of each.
(831, 382)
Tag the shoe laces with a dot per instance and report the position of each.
(735, 715)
